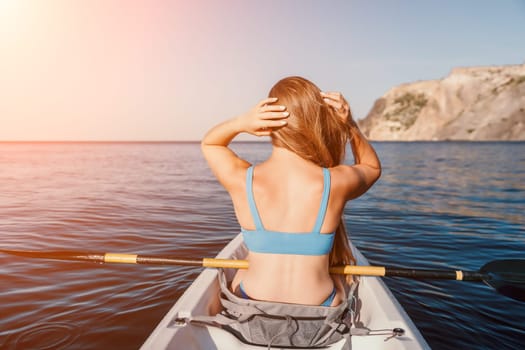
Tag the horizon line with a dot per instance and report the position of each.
(244, 141)
(114, 141)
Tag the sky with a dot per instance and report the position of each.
(129, 70)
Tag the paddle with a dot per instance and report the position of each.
(506, 276)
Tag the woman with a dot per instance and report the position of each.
(290, 206)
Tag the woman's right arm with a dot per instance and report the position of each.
(367, 167)
(259, 121)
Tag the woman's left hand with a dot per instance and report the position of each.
(337, 101)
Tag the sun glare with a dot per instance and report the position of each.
(6, 6)
(10, 11)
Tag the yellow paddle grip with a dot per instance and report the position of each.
(120, 258)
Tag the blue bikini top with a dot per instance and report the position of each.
(274, 242)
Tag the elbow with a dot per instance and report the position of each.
(206, 141)
(373, 169)
(374, 175)
(204, 147)
(379, 171)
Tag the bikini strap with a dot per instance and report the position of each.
(251, 201)
(324, 201)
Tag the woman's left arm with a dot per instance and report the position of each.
(259, 121)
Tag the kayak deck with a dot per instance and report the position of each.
(378, 310)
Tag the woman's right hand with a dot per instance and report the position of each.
(264, 118)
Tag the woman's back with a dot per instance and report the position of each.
(289, 195)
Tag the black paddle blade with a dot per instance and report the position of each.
(507, 277)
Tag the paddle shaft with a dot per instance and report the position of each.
(243, 264)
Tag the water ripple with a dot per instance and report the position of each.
(45, 336)
(437, 205)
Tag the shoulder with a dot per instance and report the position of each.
(339, 175)
(338, 181)
(353, 180)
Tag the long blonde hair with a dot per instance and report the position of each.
(315, 133)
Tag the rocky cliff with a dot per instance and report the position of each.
(475, 103)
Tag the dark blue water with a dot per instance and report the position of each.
(437, 205)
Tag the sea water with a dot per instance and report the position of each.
(437, 205)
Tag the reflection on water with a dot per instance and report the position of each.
(452, 179)
(47, 336)
(437, 205)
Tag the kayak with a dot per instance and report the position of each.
(381, 319)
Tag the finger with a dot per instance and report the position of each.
(272, 108)
(335, 104)
(263, 133)
(276, 123)
(274, 115)
(332, 95)
(271, 124)
(268, 100)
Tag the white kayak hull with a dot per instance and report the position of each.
(379, 311)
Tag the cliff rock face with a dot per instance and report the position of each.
(477, 103)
